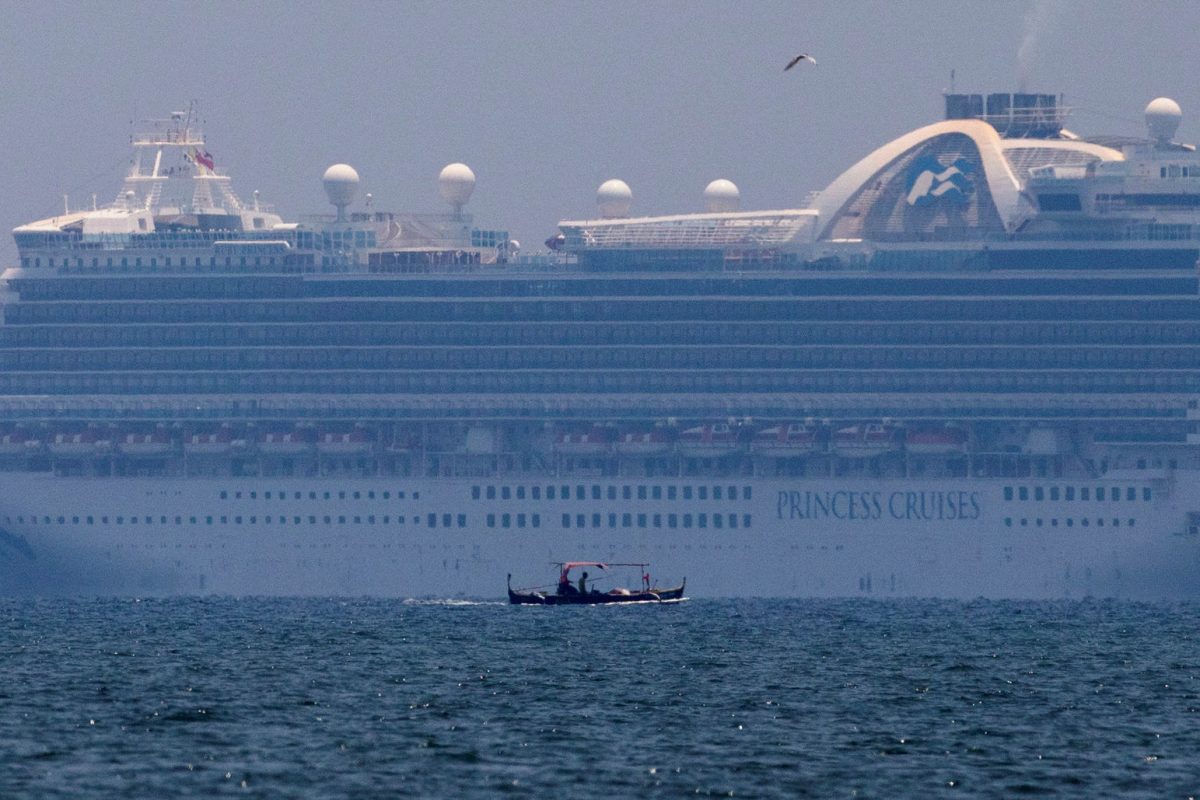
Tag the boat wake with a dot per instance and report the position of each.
(450, 601)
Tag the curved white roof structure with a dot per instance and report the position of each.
(953, 179)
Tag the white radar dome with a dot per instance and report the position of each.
(721, 196)
(1162, 118)
(456, 182)
(614, 198)
(341, 184)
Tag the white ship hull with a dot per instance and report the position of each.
(808, 537)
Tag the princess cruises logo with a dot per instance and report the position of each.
(929, 181)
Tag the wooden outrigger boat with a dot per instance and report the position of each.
(566, 593)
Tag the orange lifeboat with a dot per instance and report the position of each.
(708, 441)
(866, 441)
(642, 443)
(79, 444)
(209, 443)
(146, 445)
(595, 441)
(348, 443)
(945, 440)
(296, 442)
(17, 442)
(786, 440)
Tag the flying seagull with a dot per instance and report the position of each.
(798, 59)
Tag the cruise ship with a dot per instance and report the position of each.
(968, 367)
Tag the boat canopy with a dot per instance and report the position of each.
(567, 566)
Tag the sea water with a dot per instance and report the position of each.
(331, 698)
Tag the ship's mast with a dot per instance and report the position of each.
(174, 149)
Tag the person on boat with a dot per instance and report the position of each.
(583, 584)
(564, 584)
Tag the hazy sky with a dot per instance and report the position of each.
(546, 100)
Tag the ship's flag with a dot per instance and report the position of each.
(203, 158)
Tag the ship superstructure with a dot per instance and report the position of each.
(941, 378)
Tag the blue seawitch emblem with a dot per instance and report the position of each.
(929, 181)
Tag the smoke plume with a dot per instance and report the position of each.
(1039, 19)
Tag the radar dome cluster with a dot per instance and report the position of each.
(614, 199)
(721, 196)
(1162, 119)
(455, 182)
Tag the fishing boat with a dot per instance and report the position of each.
(584, 592)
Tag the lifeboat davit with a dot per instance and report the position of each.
(642, 443)
(146, 445)
(786, 440)
(79, 444)
(935, 441)
(865, 441)
(708, 441)
(349, 443)
(209, 443)
(593, 442)
(17, 442)
(285, 443)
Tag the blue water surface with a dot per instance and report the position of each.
(332, 698)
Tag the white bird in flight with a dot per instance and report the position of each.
(798, 59)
